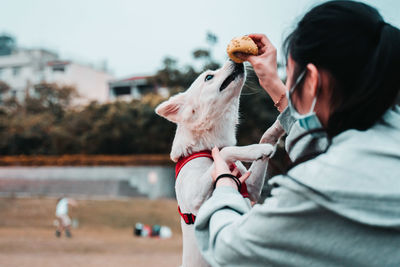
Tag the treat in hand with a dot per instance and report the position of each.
(243, 45)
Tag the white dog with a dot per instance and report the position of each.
(206, 116)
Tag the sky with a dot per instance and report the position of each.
(133, 36)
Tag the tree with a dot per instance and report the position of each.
(50, 97)
(4, 87)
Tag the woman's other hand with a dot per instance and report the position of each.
(221, 167)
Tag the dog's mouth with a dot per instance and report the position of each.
(238, 70)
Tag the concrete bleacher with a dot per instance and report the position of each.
(150, 182)
(87, 188)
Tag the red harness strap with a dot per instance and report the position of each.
(189, 218)
(182, 161)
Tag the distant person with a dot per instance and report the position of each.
(64, 222)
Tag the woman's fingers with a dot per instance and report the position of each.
(220, 165)
(262, 42)
(261, 38)
(265, 51)
(264, 48)
(236, 172)
(252, 59)
(218, 160)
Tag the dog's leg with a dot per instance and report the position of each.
(259, 155)
(258, 168)
(254, 152)
(248, 153)
(272, 134)
(242, 169)
(256, 180)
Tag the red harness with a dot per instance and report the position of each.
(189, 218)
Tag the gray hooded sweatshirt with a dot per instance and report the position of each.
(341, 208)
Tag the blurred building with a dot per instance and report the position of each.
(134, 87)
(22, 68)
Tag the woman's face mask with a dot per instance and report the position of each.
(310, 126)
(308, 121)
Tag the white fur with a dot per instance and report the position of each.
(207, 117)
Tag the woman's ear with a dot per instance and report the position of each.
(171, 108)
(311, 82)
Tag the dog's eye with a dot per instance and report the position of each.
(209, 77)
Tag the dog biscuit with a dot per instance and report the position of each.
(242, 44)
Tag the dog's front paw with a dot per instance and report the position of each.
(260, 151)
(247, 153)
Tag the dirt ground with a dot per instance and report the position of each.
(98, 247)
(104, 237)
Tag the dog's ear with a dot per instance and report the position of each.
(170, 109)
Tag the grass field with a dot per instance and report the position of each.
(104, 236)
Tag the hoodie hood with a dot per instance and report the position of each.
(358, 177)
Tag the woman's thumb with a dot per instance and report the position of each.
(215, 154)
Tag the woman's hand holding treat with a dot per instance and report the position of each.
(265, 66)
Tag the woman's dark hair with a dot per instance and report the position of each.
(361, 53)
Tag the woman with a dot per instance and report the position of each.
(340, 202)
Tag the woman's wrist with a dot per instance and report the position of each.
(276, 90)
(226, 181)
(282, 103)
